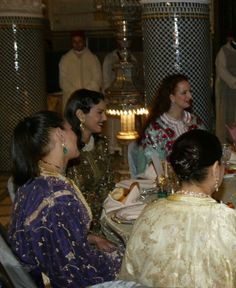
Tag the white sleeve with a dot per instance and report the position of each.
(106, 71)
(64, 75)
(96, 81)
(222, 71)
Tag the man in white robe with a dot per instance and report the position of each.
(79, 68)
(225, 88)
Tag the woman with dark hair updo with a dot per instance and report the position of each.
(169, 118)
(50, 225)
(187, 239)
(91, 171)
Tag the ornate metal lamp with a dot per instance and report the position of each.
(124, 99)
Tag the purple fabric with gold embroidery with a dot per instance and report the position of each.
(49, 231)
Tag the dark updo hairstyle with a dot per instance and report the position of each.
(30, 143)
(193, 152)
(162, 102)
(84, 100)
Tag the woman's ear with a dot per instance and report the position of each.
(60, 134)
(216, 170)
(172, 98)
(80, 115)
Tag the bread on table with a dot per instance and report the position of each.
(120, 193)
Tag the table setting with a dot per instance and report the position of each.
(127, 200)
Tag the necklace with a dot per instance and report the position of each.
(45, 171)
(56, 167)
(193, 194)
(89, 146)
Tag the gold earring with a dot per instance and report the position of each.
(81, 126)
(216, 185)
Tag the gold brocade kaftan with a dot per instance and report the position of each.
(92, 173)
(183, 241)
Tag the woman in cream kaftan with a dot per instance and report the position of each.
(183, 241)
(188, 239)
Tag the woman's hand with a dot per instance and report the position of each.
(101, 243)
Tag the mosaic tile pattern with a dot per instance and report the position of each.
(177, 40)
(22, 83)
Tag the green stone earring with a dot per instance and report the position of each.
(65, 149)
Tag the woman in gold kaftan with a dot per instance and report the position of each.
(187, 239)
(91, 171)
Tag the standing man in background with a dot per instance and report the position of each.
(79, 68)
(225, 87)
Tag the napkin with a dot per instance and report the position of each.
(130, 213)
(143, 183)
(149, 173)
(111, 204)
(157, 164)
(154, 169)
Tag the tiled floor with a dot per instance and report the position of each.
(5, 201)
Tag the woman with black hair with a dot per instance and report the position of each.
(50, 225)
(91, 171)
(187, 239)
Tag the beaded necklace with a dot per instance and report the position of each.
(193, 194)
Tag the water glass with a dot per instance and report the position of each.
(226, 153)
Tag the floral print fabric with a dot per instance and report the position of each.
(160, 135)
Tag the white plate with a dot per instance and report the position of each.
(130, 213)
(144, 183)
(227, 176)
(121, 221)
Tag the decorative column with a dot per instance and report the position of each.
(22, 73)
(176, 39)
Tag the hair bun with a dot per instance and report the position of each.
(185, 162)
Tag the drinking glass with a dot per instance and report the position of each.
(226, 153)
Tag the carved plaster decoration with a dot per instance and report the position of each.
(27, 8)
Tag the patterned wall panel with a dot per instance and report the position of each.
(176, 38)
(22, 76)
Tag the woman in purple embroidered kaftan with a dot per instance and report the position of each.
(49, 230)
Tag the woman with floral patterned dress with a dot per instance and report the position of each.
(168, 119)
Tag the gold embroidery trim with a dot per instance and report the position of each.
(46, 202)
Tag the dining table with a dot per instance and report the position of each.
(121, 229)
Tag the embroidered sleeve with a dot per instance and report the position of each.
(158, 139)
(58, 239)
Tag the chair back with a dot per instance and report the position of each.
(136, 159)
(17, 274)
